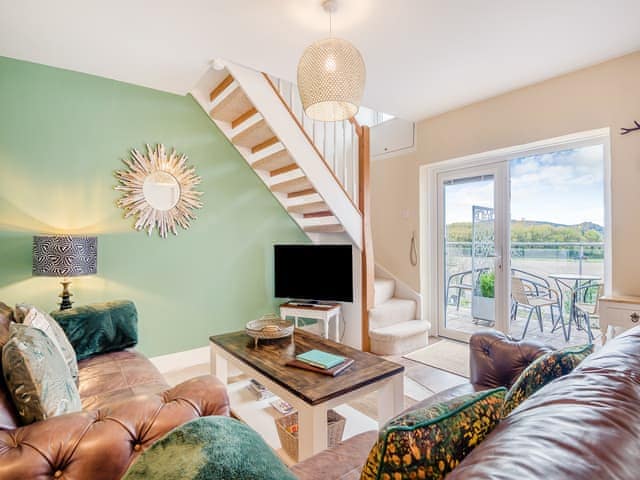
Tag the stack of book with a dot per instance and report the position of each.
(321, 362)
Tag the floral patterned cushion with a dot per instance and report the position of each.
(37, 376)
(543, 370)
(429, 442)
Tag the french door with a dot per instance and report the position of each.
(472, 252)
(534, 216)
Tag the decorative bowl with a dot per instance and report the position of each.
(269, 327)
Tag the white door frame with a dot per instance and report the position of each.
(429, 280)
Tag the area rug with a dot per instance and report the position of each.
(445, 355)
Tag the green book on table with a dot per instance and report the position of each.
(321, 359)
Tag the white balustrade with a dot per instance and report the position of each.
(337, 142)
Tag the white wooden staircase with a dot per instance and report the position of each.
(319, 172)
(251, 110)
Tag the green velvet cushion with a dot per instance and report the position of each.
(37, 376)
(429, 442)
(543, 370)
(33, 317)
(100, 327)
(209, 448)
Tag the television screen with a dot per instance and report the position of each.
(314, 272)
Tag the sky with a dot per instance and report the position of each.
(564, 187)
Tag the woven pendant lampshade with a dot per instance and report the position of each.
(331, 76)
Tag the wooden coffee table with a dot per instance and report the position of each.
(310, 393)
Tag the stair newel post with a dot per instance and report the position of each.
(364, 202)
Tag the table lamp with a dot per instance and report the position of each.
(64, 256)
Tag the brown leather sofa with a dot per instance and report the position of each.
(127, 405)
(584, 426)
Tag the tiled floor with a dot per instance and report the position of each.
(461, 320)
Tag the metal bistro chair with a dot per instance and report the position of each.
(536, 286)
(534, 301)
(457, 282)
(585, 309)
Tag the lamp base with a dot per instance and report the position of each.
(66, 295)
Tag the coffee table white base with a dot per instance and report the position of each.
(312, 419)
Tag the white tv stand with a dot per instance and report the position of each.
(323, 312)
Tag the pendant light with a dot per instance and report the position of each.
(331, 76)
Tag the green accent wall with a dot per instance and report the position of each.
(62, 135)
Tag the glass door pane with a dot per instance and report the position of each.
(557, 245)
(468, 226)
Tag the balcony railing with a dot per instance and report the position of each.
(539, 257)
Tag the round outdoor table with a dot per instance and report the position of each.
(564, 280)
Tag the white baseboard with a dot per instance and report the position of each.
(180, 360)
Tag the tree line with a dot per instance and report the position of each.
(522, 231)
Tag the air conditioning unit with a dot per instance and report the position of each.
(393, 137)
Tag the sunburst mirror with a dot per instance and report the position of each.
(158, 190)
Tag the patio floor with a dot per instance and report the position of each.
(461, 320)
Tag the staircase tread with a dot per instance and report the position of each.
(293, 185)
(284, 169)
(321, 214)
(402, 329)
(256, 134)
(234, 105)
(273, 161)
(311, 207)
(244, 117)
(324, 228)
(220, 87)
(394, 302)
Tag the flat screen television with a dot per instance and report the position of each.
(314, 272)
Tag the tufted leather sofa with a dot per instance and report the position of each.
(583, 426)
(127, 406)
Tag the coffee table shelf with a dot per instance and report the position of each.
(261, 416)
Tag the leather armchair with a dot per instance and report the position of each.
(100, 444)
(496, 361)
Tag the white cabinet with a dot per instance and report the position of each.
(623, 312)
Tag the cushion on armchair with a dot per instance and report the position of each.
(37, 376)
(100, 327)
(212, 448)
(429, 442)
(31, 316)
(543, 370)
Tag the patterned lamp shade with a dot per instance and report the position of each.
(331, 76)
(64, 255)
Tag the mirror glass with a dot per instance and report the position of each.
(161, 190)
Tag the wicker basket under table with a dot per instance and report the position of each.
(289, 440)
